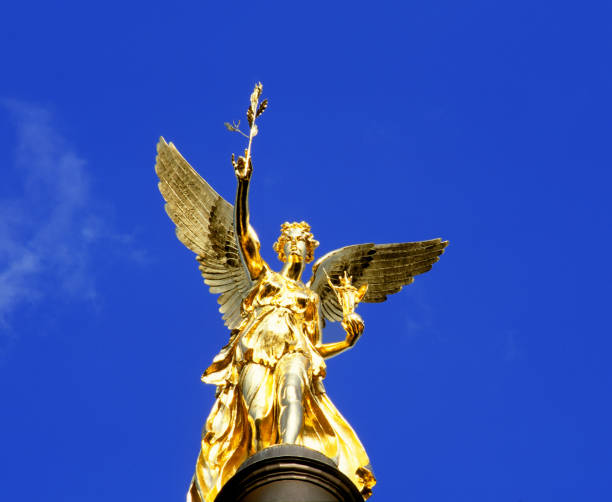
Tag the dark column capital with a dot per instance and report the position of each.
(289, 473)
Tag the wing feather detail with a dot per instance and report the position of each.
(385, 268)
(205, 224)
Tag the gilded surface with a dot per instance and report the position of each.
(269, 376)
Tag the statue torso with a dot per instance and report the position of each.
(279, 314)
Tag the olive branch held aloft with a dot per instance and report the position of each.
(254, 110)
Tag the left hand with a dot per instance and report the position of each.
(353, 325)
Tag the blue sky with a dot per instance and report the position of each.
(484, 123)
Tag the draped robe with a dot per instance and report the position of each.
(280, 327)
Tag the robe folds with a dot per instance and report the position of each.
(229, 436)
(277, 337)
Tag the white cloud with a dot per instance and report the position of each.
(47, 227)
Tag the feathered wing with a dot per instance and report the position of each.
(385, 268)
(204, 223)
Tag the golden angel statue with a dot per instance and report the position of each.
(269, 376)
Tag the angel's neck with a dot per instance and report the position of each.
(293, 270)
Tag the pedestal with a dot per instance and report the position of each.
(289, 473)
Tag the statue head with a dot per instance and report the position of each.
(296, 241)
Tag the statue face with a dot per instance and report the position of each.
(294, 247)
(295, 243)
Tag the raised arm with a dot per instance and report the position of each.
(246, 238)
(248, 242)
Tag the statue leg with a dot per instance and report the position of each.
(291, 375)
(257, 391)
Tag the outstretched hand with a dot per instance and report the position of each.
(242, 168)
(353, 325)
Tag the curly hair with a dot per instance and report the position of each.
(304, 229)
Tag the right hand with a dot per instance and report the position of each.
(242, 170)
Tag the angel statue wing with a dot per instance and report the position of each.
(205, 224)
(385, 268)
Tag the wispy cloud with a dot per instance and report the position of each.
(47, 227)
